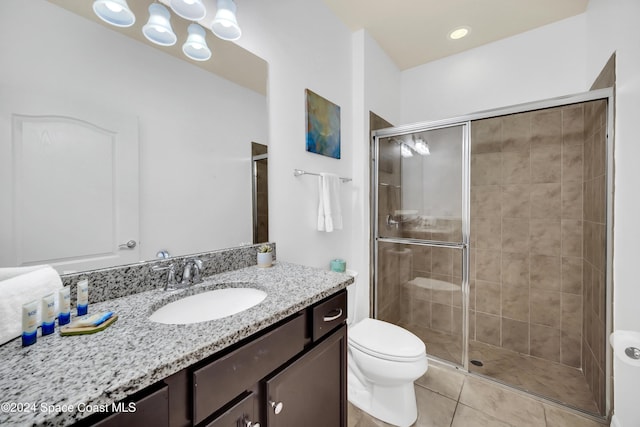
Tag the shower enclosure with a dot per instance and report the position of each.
(492, 243)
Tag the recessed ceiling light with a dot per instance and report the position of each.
(459, 33)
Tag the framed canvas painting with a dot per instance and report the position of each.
(323, 126)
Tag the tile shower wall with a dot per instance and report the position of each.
(527, 233)
(594, 260)
(419, 288)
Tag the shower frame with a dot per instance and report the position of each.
(594, 95)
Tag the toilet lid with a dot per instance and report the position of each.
(385, 340)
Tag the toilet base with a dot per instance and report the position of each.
(394, 405)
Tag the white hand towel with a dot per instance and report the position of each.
(20, 286)
(329, 211)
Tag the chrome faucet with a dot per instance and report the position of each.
(191, 272)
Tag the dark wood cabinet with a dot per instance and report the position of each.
(221, 380)
(293, 374)
(152, 410)
(311, 391)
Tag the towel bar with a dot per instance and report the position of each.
(298, 172)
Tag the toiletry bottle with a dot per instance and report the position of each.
(48, 314)
(29, 323)
(64, 298)
(83, 297)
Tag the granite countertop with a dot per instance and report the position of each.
(80, 373)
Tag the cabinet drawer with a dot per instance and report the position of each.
(222, 380)
(329, 314)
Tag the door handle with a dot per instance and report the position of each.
(129, 245)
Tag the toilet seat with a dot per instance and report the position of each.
(386, 341)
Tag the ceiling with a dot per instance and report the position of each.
(229, 60)
(413, 32)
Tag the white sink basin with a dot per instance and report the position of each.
(209, 305)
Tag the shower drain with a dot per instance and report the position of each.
(476, 362)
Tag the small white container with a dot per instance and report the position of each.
(83, 297)
(48, 314)
(265, 259)
(64, 298)
(29, 323)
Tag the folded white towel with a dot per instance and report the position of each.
(329, 211)
(11, 272)
(20, 286)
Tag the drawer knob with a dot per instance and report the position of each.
(248, 423)
(277, 407)
(330, 317)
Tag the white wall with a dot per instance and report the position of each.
(376, 88)
(306, 47)
(195, 128)
(539, 64)
(612, 27)
(316, 51)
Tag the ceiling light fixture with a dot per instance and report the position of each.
(158, 28)
(196, 45)
(459, 33)
(225, 24)
(192, 10)
(114, 12)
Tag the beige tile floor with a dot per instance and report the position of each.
(449, 398)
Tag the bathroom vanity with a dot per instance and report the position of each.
(293, 374)
(279, 363)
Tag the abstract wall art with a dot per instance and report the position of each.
(323, 125)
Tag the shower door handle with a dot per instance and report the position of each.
(392, 222)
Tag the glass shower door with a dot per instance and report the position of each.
(421, 235)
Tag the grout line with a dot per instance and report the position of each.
(464, 381)
(453, 416)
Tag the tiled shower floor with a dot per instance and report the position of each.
(547, 379)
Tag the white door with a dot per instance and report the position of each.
(69, 190)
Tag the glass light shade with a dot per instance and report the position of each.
(114, 12)
(192, 10)
(158, 28)
(405, 151)
(422, 148)
(196, 46)
(225, 24)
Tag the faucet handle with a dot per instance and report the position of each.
(171, 276)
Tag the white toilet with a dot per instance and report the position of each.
(383, 362)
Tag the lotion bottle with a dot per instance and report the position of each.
(64, 298)
(83, 297)
(29, 323)
(48, 314)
